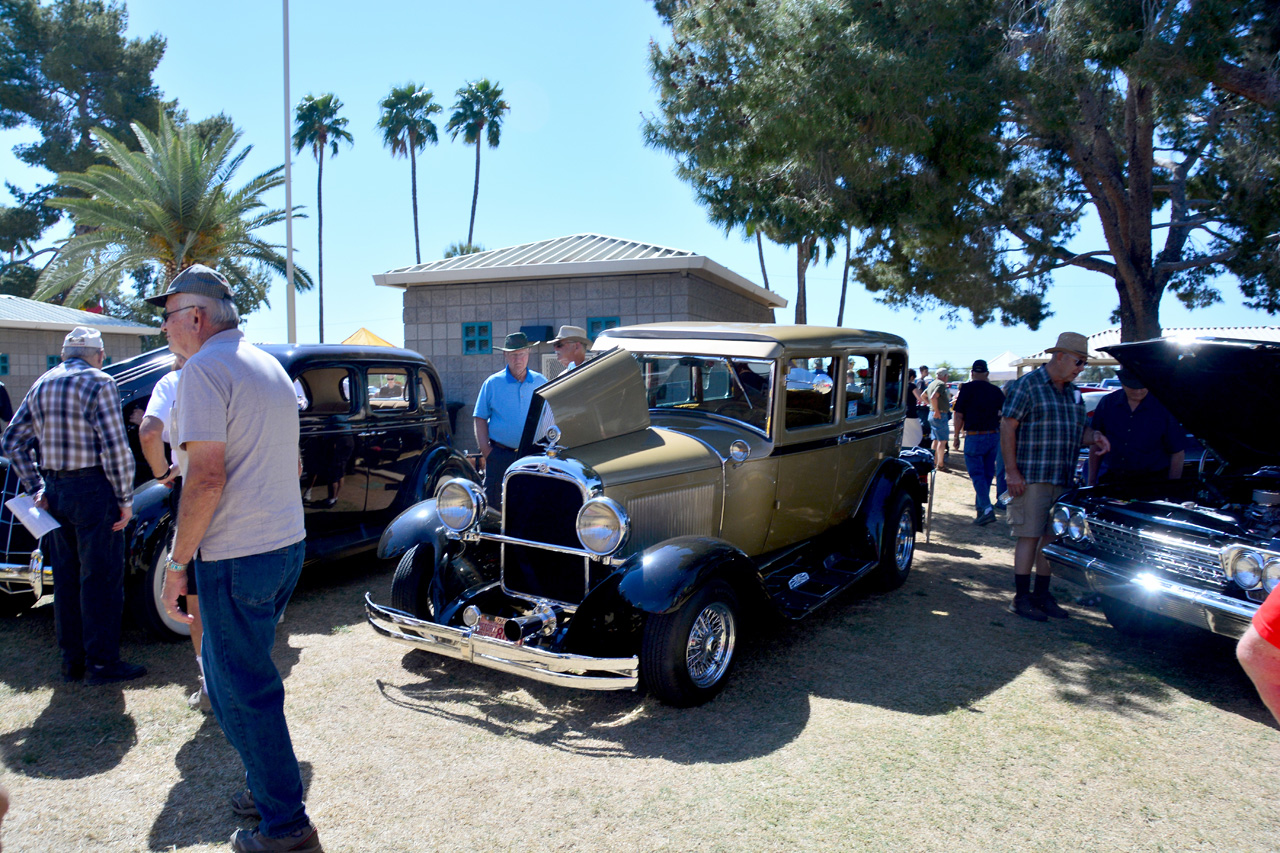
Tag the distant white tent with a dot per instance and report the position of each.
(1002, 368)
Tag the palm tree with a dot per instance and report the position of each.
(407, 127)
(318, 126)
(167, 206)
(479, 110)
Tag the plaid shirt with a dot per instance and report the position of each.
(1050, 427)
(71, 419)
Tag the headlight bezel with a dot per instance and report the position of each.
(1242, 576)
(1059, 517)
(470, 500)
(1078, 526)
(593, 511)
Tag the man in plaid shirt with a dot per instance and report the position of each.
(1041, 432)
(70, 421)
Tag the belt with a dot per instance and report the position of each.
(499, 445)
(74, 473)
(981, 431)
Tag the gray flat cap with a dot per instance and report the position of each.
(197, 279)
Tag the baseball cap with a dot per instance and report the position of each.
(197, 279)
(83, 336)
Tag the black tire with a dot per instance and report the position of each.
(410, 585)
(898, 544)
(13, 603)
(145, 600)
(1134, 621)
(686, 656)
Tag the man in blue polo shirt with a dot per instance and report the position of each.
(501, 409)
(1147, 442)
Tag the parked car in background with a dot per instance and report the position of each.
(689, 482)
(374, 439)
(1205, 549)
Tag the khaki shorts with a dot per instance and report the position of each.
(1029, 514)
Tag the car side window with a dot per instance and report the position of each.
(426, 390)
(895, 372)
(388, 389)
(860, 375)
(324, 391)
(811, 398)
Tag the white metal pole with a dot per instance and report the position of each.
(291, 307)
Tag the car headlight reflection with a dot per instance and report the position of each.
(1076, 527)
(603, 526)
(460, 502)
(1271, 574)
(1246, 569)
(1060, 517)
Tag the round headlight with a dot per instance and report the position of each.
(1060, 517)
(1271, 574)
(1075, 526)
(602, 526)
(1246, 569)
(460, 502)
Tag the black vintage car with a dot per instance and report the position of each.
(375, 439)
(1204, 550)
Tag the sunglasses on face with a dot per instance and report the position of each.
(1080, 362)
(164, 318)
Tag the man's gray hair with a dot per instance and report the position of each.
(80, 352)
(222, 313)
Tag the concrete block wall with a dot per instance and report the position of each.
(434, 314)
(29, 349)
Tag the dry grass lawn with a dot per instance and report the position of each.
(925, 719)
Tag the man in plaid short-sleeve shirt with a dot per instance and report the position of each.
(1041, 432)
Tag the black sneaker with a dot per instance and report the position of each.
(72, 671)
(1050, 607)
(986, 518)
(1026, 608)
(110, 673)
(243, 804)
(305, 840)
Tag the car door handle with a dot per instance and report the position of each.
(844, 439)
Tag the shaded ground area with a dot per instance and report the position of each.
(927, 718)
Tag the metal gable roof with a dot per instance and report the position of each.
(19, 313)
(575, 255)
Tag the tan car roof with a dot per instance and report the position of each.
(758, 340)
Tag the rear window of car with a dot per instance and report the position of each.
(325, 391)
(388, 389)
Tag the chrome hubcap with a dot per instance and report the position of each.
(710, 646)
(905, 542)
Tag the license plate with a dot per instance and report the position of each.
(491, 627)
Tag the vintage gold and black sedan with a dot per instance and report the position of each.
(688, 477)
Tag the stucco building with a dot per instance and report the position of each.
(457, 310)
(31, 336)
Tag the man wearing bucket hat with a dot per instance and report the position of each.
(571, 346)
(501, 409)
(1041, 432)
(235, 427)
(1147, 442)
(71, 421)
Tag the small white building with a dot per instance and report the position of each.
(31, 335)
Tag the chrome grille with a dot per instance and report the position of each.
(16, 542)
(677, 512)
(1160, 552)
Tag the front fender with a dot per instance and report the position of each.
(149, 528)
(417, 524)
(894, 476)
(439, 460)
(662, 578)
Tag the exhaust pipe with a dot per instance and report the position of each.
(541, 621)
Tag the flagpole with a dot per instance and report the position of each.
(290, 302)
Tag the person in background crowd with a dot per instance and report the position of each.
(235, 423)
(1147, 442)
(1041, 434)
(922, 385)
(501, 409)
(1259, 652)
(153, 435)
(6, 407)
(571, 346)
(71, 420)
(977, 415)
(939, 396)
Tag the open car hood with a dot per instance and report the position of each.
(602, 398)
(1216, 387)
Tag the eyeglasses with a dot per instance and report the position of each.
(1081, 362)
(558, 345)
(164, 318)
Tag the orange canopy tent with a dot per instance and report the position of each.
(365, 338)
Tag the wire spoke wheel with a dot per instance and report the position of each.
(710, 646)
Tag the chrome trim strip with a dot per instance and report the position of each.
(562, 670)
(21, 573)
(542, 546)
(1201, 608)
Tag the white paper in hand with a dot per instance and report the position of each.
(36, 520)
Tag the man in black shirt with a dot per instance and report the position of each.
(976, 413)
(1147, 442)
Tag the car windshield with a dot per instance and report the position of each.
(737, 388)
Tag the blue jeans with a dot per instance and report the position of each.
(88, 567)
(241, 601)
(1001, 485)
(980, 452)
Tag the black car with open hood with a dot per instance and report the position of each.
(1205, 549)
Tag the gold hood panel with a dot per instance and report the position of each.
(598, 400)
(647, 455)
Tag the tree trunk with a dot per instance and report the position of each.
(320, 239)
(475, 194)
(804, 251)
(844, 278)
(760, 250)
(413, 183)
(1139, 312)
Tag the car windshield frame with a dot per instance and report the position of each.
(711, 385)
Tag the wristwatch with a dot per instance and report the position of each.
(172, 566)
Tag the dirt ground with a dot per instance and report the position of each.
(929, 718)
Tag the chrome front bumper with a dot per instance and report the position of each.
(1202, 608)
(18, 577)
(580, 671)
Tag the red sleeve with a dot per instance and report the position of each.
(1267, 620)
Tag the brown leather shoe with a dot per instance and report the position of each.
(305, 840)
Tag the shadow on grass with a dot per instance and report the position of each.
(82, 732)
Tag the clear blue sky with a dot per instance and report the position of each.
(571, 158)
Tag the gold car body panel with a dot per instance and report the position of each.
(598, 400)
